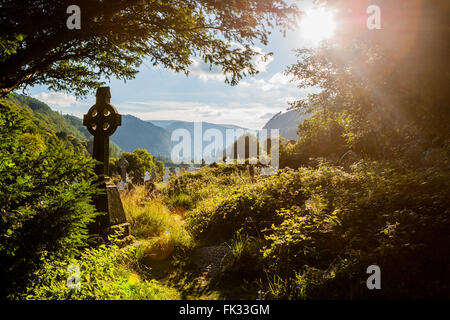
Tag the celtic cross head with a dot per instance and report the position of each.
(123, 163)
(102, 118)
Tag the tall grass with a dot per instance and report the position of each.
(106, 273)
(158, 229)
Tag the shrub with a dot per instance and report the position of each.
(105, 274)
(396, 218)
(45, 198)
(251, 207)
(181, 200)
(243, 261)
(188, 189)
(321, 228)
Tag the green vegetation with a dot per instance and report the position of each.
(139, 162)
(106, 274)
(312, 232)
(367, 183)
(48, 127)
(150, 218)
(46, 190)
(45, 196)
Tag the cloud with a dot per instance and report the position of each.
(268, 115)
(278, 81)
(160, 105)
(250, 104)
(56, 99)
(249, 114)
(206, 72)
(261, 62)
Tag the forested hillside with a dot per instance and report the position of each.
(50, 126)
(135, 133)
(287, 123)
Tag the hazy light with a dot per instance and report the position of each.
(317, 24)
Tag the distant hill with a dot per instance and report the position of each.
(287, 123)
(139, 134)
(54, 126)
(154, 135)
(49, 119)
(172, 125)
(163, 123)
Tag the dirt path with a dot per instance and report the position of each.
(209, 261)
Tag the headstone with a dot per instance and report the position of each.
(121, 185)
(166, 176)
(102, 121)
(146, 177)
(153, 176)
(123, 165)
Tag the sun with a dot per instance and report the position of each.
(317, 24)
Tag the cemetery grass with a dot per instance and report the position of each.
(164, 246)
(308, 233)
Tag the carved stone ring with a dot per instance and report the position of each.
(102, 118)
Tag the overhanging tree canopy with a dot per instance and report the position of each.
(116, 35)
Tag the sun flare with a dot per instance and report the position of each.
(317, 24)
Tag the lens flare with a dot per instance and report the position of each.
(317, 24)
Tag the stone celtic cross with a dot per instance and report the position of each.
(102, 121)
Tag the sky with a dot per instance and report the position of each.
(161, 94)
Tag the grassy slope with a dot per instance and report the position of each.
(308, 233)
(46, 122)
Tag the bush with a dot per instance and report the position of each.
(394, 218)
(243, 262)
(181, 200)
(188, 189)
(105, 274)
(321, 228)
(251, 207)
(45, 198)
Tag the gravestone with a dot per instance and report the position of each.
(153, 176)
(102, 121)
(123, 165)
(166, 176)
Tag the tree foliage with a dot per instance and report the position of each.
(116, 36)
(383, 91)
(45, 196)
(140, 161)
